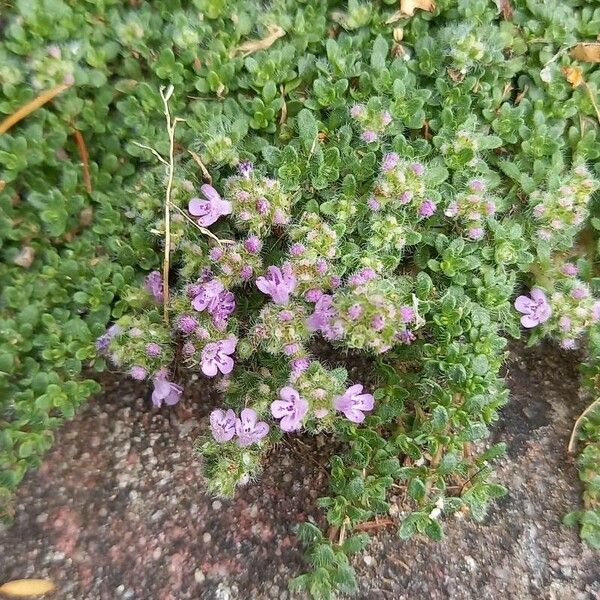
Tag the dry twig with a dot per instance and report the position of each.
(573, 438)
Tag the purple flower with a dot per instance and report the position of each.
(286, 315)
(373, 204)
(368, 136)
(452, 209)
(477, 185)
(357, 111)
(222, 425)
(355, 311)
(298, 366)
(579, 293)
(215, 357)
(216, 254)
(135, 332)
(153, 349)
(335, 281)
(407, 314)
(103, 342)
(291, 349)
(253, 245)
(291, 409)
(164, 390)
(223, 307)
(297, 249)
(209, 208)
(321, 266)
(406, 336)
(277, 283)
(188, 349)
(154, 285)
(262, 206)
(475, 233)
(354, 402)
(138, 372)
(324, 312)
(377, 323)
(246, 272)
(313, 295)
(535, 309)
(568, 344)
(569, 269)
(386, 118)
(427, 208)
(245, 168)
(186, 323)
(361, 277)
(208, 295)
(280, 218)
(405, 197)
(417, 168)
(248, 430)
(390, 160)
(564, 323)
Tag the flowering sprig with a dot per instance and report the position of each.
(373, 121)
(560, 212)
(258, 202)
(472, 207)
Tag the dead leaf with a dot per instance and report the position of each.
(455, 75)
(408, 7)
(505, 9)
(2, 184)
(23, 588)
(574, 75)
(587, 52)
(28, 108)
(25, 257)
(275, 32)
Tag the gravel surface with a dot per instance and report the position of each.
(118, 510)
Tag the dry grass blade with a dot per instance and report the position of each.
(205, 174)
(32, 106)
(275, 32)
(27, 588)
(583, 415)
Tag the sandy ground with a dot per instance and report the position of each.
(118, 510)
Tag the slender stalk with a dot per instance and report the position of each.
(573, 438)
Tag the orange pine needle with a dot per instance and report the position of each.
(30, 107)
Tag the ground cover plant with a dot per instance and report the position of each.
(406, 182)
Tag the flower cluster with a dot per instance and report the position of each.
(560, 212)
(372, 120)
(371, 313)
(225, 425)
(258, 202)
(312, 255)
(236, 263)
(472, 207)
(281, 329)
(574, 310)
(312, 399)
(403, 183)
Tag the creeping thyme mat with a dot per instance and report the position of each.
(405, 182)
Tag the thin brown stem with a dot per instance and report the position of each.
(573, 438)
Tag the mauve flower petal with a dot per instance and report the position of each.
(225, 364)
(224, 207)
(529, 321)
(538, 295)
(248, 416)
(355, 416)
(208, 220)
(365, 402)
(217, 417)
(209, 368)
(523, 304)
(357, 388)
(279, 409)
(263, 285)
(544, 312)
(289, 393)
(261, 430)
(228, 345)
(210, 193)
(290, 423)
(198, 207)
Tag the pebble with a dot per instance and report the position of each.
(199, 576)
(206, 537)
(217, 505)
